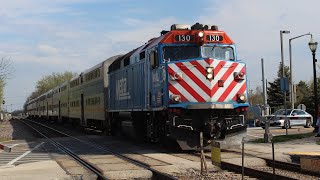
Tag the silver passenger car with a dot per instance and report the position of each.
(296, 117)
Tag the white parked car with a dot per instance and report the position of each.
(296, 117)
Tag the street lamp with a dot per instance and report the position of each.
(283, 76)
(291, 76)
(281, 40)
(313, 48)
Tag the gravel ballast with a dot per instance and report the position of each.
(14, 130)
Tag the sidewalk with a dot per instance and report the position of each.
(43, 169)
(36, 171)
(284, 150)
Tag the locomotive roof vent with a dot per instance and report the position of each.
(180, 27)
(211, 27)
(199, 26)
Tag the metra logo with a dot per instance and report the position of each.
(121, 89)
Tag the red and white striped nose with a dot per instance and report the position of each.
(207, 80)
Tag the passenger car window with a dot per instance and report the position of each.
(282, 112)
(300, 112)
(294, 113)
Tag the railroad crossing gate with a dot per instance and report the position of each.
(216, 153)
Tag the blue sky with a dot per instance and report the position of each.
(43, 36)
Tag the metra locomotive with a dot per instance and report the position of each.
(186, 81)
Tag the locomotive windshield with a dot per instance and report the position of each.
(218, 52)
(174, 53)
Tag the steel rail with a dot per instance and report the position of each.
(84, 163)
(156, 173)
(280, 164)
(251, 172)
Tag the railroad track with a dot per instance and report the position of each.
(283, 170)
(260, 172)
(279, 164)
(89, 166)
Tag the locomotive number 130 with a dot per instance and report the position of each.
(184, 38)
(213, 37)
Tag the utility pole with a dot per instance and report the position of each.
(264, 88)
(250, 93)
(267, 135)
(284, 79)
(267, 105)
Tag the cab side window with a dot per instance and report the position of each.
(153, 57)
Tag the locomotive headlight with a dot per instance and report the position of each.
(200, 34)
(209, 73)
(241, 98)
(175, 98)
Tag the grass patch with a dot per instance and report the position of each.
(318, 142)
(284, 138)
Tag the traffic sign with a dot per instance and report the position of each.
(284, 84)
(302, 106)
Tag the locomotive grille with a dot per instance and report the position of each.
(234, 121)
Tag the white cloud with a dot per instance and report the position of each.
(18, 8)
(143, 32)
(47, 49)
(68, 34)
(255, 27)
(132, 22)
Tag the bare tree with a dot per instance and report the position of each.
(6, 68)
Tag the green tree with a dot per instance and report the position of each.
(308, 100)
(275, 95)
(50, 81)
(303, 93)
(256, 97)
